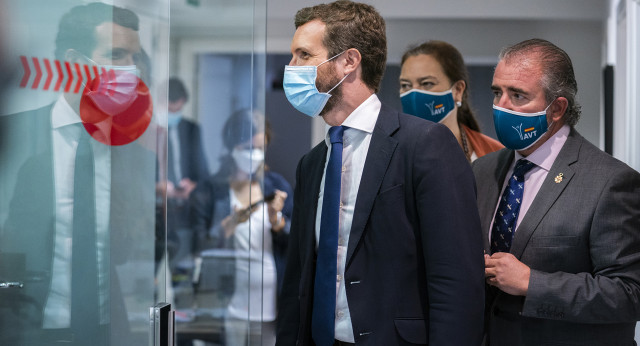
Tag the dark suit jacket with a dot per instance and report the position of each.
(193, 165)
(29, 230)
(414, 268)
(581, 239)
(193, 162)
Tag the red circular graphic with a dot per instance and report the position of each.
(116, 107)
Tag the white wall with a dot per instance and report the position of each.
(480, 41)
(623, 50)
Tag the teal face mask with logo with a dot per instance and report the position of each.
(517, 130)
(428, 105)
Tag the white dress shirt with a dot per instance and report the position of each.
(356, 139)
(254, 296)
(543, 158)
(65, 135)
(174, 138)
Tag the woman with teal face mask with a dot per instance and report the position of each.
(433, 86)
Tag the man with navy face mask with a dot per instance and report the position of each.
(560, 218)
(378, 252)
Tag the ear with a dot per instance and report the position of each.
(72, 55)
(458, 90)
(557, 109)
(352, 60)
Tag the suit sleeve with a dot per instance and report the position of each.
(275, 181)
(202, 209)
(611, 292)
(288, 303)
(451, 239)
(201, 159)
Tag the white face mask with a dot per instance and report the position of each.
(116, 89)
(248, 160)
(173, 118)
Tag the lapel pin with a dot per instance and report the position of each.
(558, 178)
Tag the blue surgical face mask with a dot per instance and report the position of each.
(517, 130)
(174, 118)
(300, 88)
(428, 105)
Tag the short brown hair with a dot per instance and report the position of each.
(454, 68)
(558, 78)
(77, 28)
(352, 25)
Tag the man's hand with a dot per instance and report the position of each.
(504, 271)
(239, 215)
(186, 186)
(274, 208)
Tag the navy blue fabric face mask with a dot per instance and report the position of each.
(517, 130)
(428, 105)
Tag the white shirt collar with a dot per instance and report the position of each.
(62, 114)
(547, 153)
(363, 118)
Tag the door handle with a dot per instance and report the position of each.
(11, 285)
(162, 325)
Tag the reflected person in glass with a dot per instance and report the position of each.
(44, 226)
(246, 207)
(186, 166)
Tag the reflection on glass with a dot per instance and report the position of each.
(186, 167)
(241, 218)
(77, 180)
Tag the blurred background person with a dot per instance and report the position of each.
(78, 207)
(433, 86)
(186, 166)
(247, 208)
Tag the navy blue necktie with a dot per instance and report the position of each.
(504, 222)
(324, 296)
(84, 271)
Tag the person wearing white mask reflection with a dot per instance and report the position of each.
(247, 208)
(434, 86)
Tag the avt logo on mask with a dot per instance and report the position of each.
(438, 109)
(526, 134)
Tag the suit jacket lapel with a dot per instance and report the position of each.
(316, 160)
(380, 152)
(549, 192)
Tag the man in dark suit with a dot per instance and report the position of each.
(45, 238)
(186, 166)
(407, 240)
(568, 271)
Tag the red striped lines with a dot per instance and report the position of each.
(76, 75)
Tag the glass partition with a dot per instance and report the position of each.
(229, 252)
(132, 173)
(83, 131)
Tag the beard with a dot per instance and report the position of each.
(325, 84)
